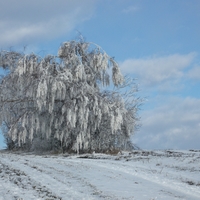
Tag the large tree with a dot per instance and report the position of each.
(62, 101)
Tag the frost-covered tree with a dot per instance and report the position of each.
(62, 102)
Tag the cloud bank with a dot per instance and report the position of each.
(172, 117)
(28, 21)
(175, 124)
(154, 71)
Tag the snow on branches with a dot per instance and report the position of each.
(60, 98)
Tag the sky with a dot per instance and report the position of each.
(156, 42)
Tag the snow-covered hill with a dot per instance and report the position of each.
(140, 175)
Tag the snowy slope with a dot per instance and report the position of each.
(140, 175)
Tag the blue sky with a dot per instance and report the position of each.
(157, 42)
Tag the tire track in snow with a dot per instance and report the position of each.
(60, 181)
(18, 179)
(66, 169)
(101, 179)
(150, 175)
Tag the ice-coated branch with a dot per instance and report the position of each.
(58, 99)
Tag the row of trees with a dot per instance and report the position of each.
(63, 101)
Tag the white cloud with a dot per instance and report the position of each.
(130, 9)
(175, 124)
(23, 21)
(194, 73)
(153, 71)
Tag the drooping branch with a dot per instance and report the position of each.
(59, 98)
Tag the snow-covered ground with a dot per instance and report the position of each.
(140, 175)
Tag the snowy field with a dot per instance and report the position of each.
(140, 175)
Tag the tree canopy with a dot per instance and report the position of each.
(63, 101)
